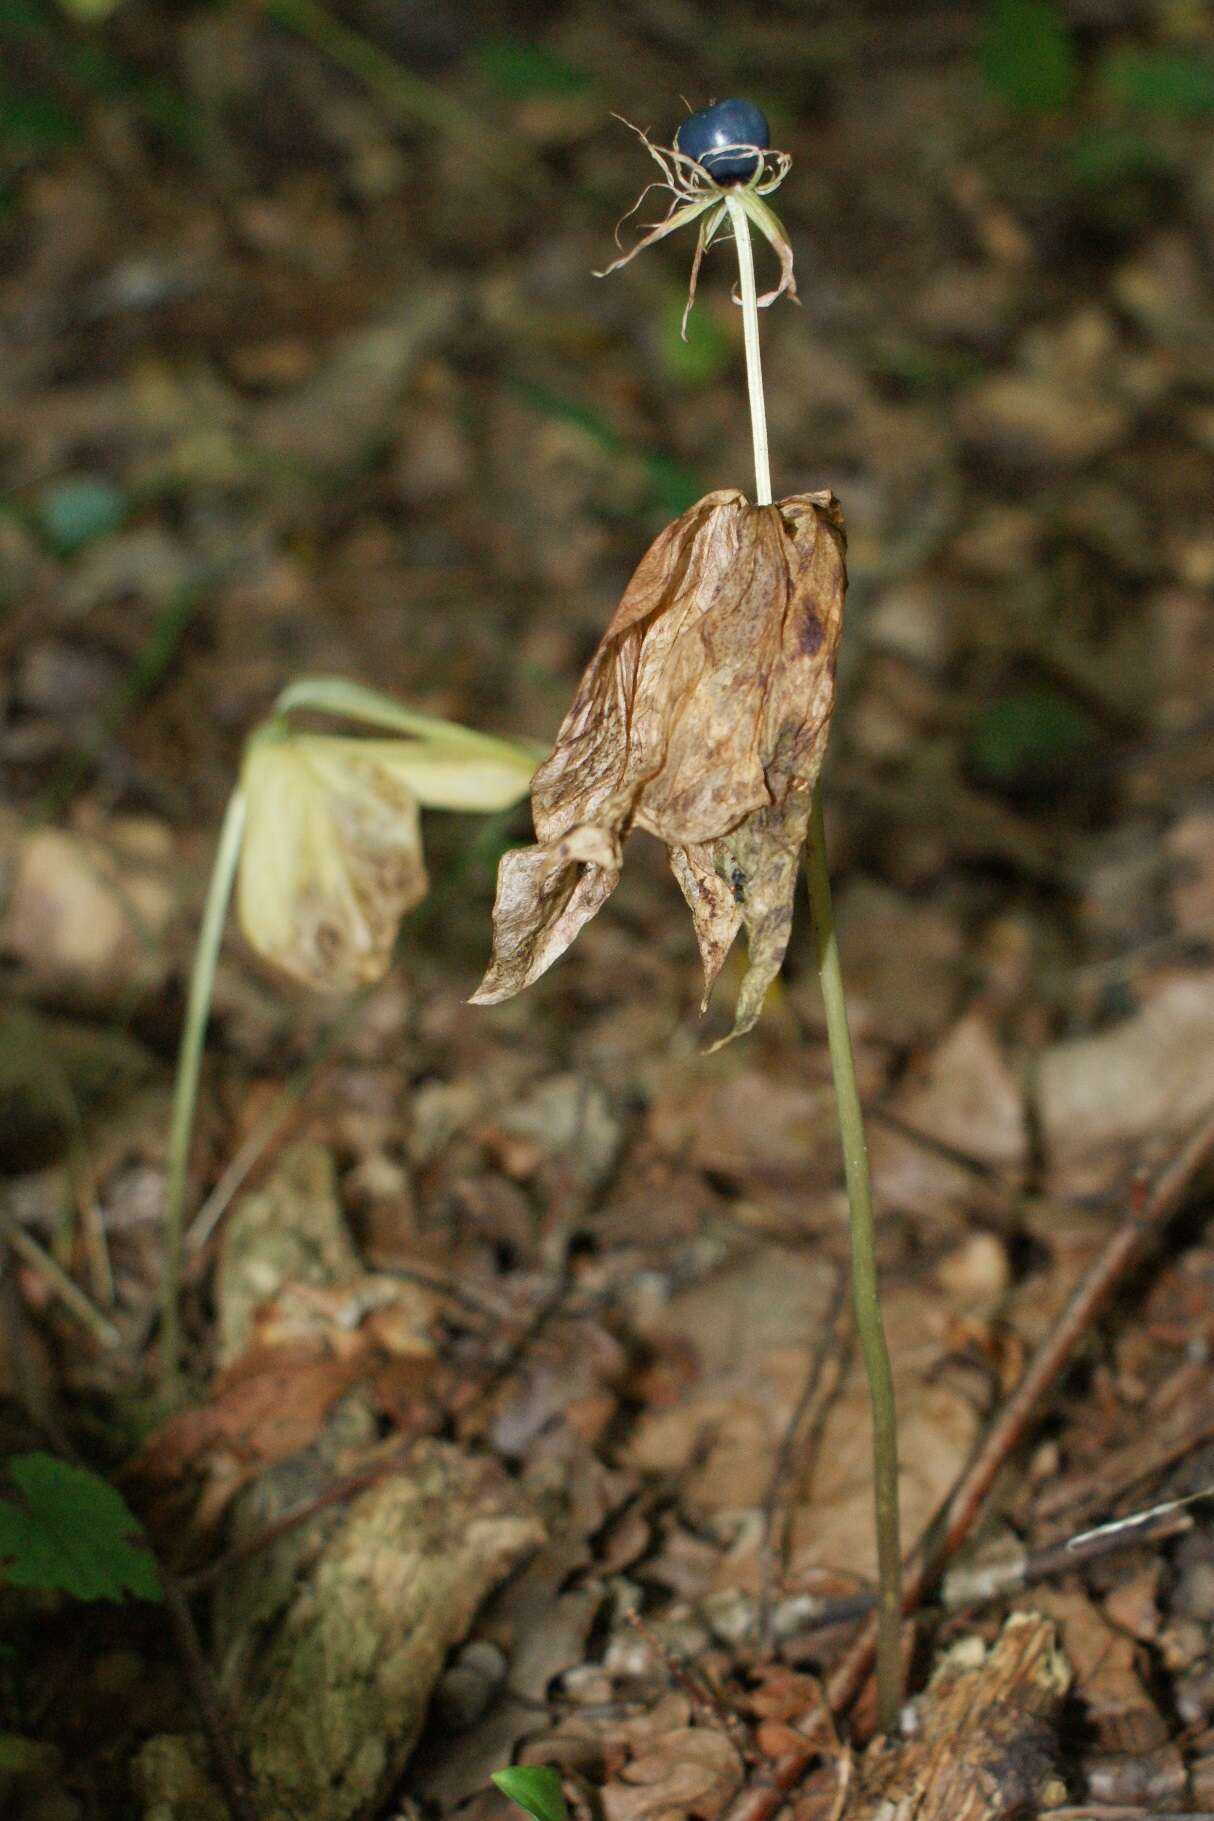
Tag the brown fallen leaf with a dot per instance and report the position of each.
(1104, 1663)
(702, 719)
(689, 1773)
(966, 1098)
(268, 1406)
(1130, 1090)
(753, 1327)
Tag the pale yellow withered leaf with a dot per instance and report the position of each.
(703, 719)
(332, 855)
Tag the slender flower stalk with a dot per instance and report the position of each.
(754, 359)
(189, 1068)
(851, 1119)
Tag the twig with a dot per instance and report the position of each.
(703, 1697)
(212, 1708)
(408, 97)
(69, 1292)
(763, 1798)
(988, 1582)
(825, 1371)
(1141, 1224)
(761, 1802)
(1123, 1814)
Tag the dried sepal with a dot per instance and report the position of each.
(702, 718)
(772, 230)
(696, 195)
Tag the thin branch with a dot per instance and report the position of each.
(212, 1708)
(65, 1288)
(1141, 1226)
(822, 1380)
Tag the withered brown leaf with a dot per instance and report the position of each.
(702, 718)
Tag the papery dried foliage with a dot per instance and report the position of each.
(332, 857)
(703, 719)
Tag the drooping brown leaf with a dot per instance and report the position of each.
(703, 719)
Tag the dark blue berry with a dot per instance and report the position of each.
(724, 123)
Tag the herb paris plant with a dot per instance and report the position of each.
(703, 718)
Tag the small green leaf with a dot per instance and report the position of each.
(705, 354)
(672, 484)
(80, 509)
(518, 69)
(534, 1788)
(1027, 56)
(1175, 85)
(72, 1534)
(1103, 157)
(1025, 738)
(36, 123)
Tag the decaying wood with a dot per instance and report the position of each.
(982, 1748)
(344, 1685)
(330, 1642)
(702, 719)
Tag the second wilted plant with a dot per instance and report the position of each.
(321, 841)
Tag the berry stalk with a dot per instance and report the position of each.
(865, 1290)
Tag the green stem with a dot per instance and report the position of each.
(865, 1290)
(356, 702)
(189, 1067)
(851, 1119)
(415, 102)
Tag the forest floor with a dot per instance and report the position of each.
(524, 1419)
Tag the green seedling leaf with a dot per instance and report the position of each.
(704, 354)
(1105, 157)
(1027, 56)
(1025, 738)
(534, 1788)
(80, 509)
(519, 69)
(673, 486)
(72, 1533)
(1174, 85)
(35, 123)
